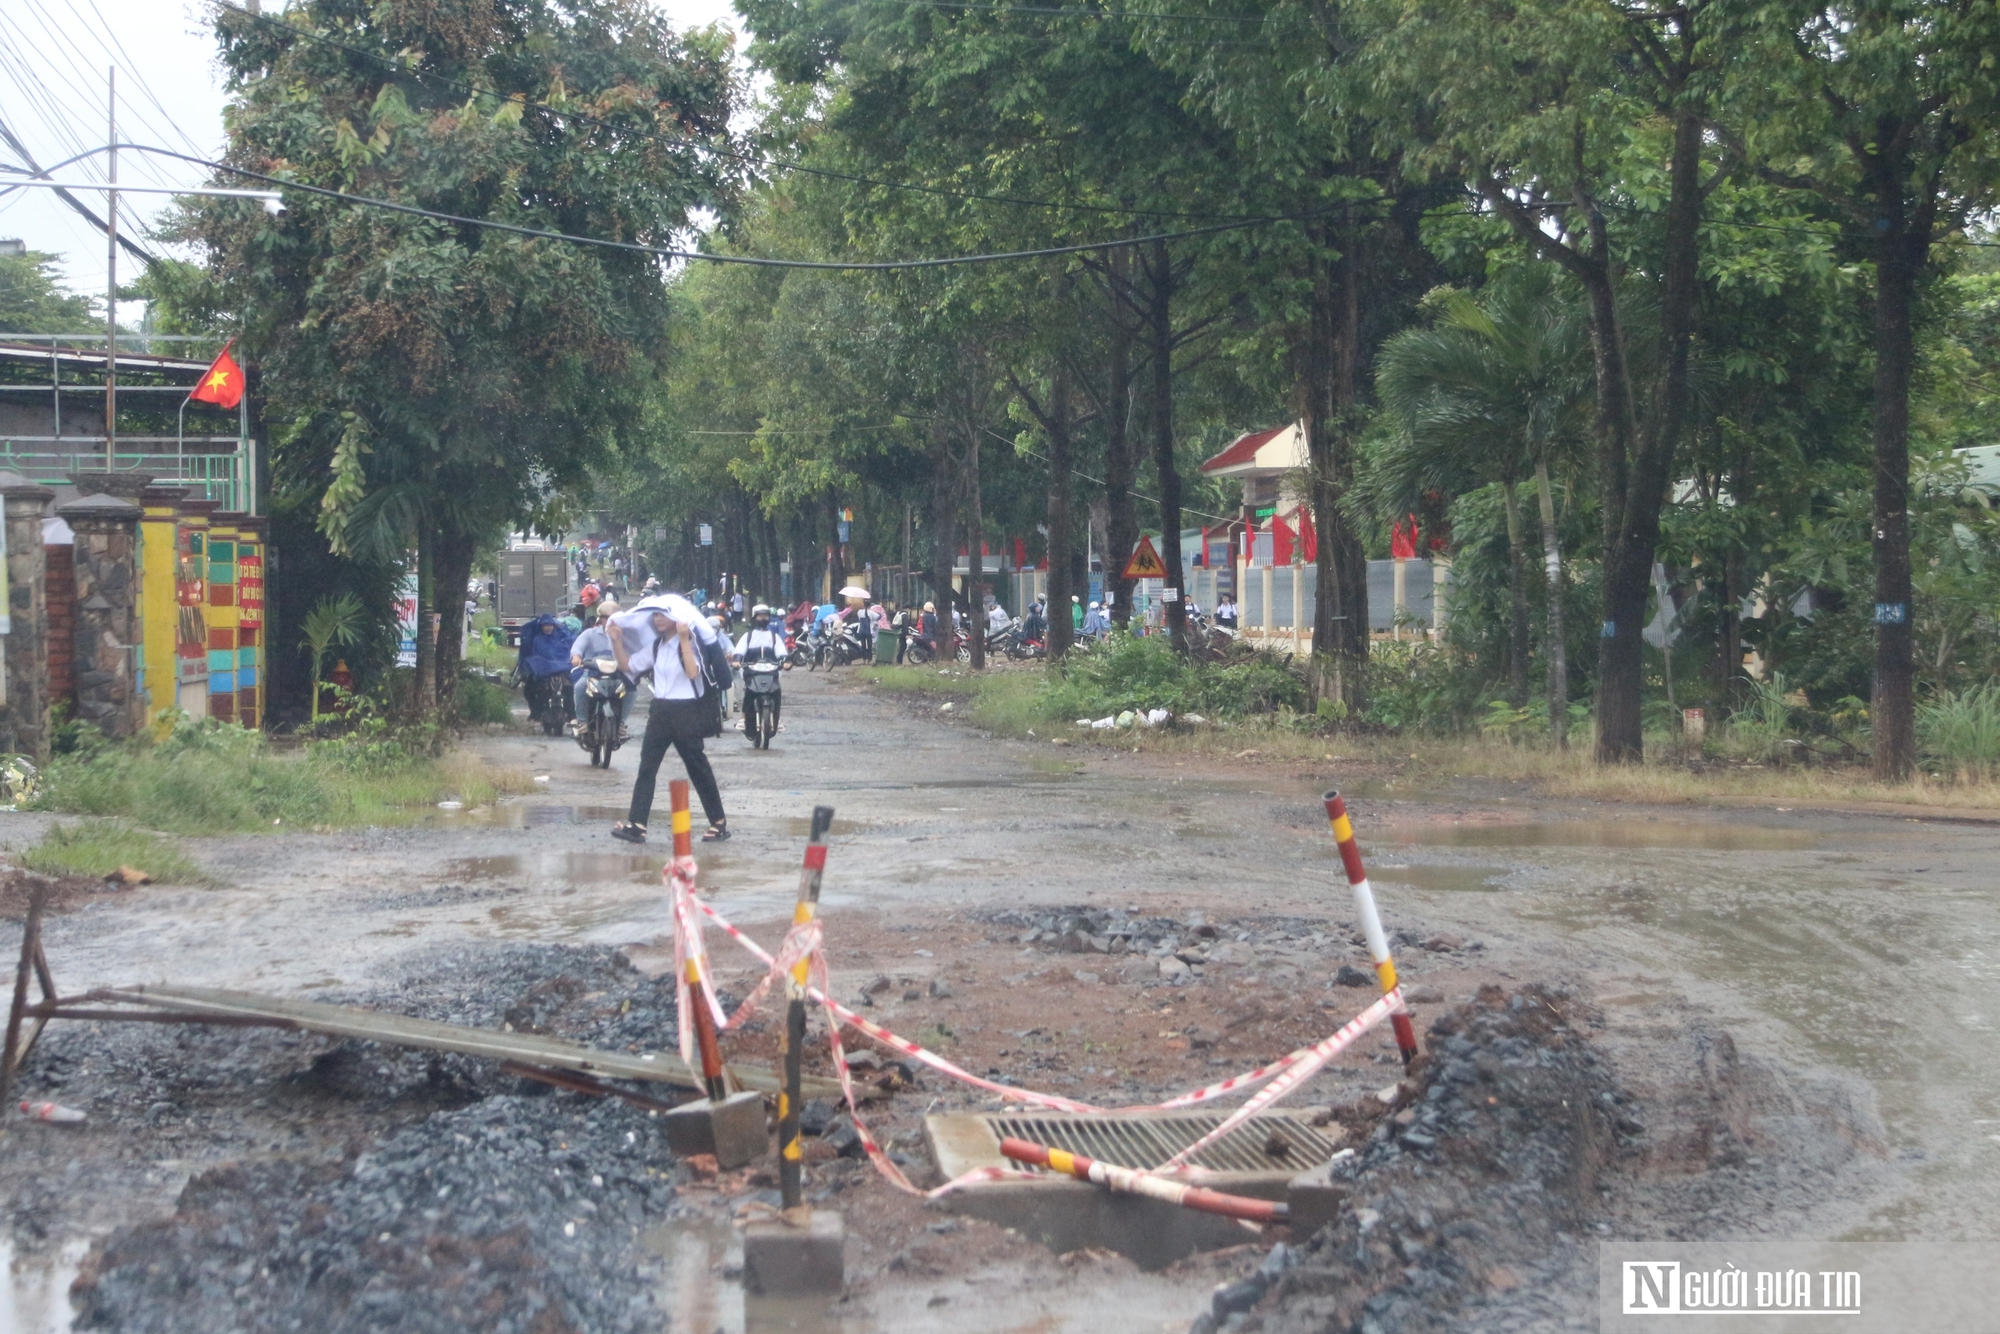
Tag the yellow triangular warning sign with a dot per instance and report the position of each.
(1145, 562)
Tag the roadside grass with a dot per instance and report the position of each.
(1667, 778)
(1011, 702)
(215, 779)
(96, 849)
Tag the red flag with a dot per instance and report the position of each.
(222, 383)
(1403, 540)
(1281, 542)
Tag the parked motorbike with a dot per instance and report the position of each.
(549, 701)
(604, 692)
(762, 697)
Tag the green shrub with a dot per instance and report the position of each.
(1415, 685)
(1132, 672)
(481, 702)
(1960, 730)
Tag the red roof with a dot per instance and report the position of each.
(1243, 449)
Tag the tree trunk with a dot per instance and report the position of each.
(975, 556)
(1558, 658)
(1628, 565)
(1332, 399)
(423, 685)
(454, 571)
(1517, 588)
(1161, 326)
(1899, 254)
(1061, 523)
(1120, 460)
(943, 525)
(836, 558)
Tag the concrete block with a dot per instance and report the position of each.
(781, 1259)
(1314, 1199)
(733, 1129)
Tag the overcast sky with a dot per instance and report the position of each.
(54, 59)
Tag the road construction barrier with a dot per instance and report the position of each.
(791, 1153)
(801, 965)
(1133, 1182)
(1371, 920)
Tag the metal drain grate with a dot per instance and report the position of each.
(1140, 1140)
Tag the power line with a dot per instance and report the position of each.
(666, 252)
(1135, 14)
(747, 158)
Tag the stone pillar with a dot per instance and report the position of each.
(109, 634)
(24, 723)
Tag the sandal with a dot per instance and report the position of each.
(717, 832)
(631, 833)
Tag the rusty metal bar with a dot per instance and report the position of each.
(567, 1079)
(31, 930)
(345, 1021)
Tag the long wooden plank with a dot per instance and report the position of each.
(346, 1021)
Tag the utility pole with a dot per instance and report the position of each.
(111, 280)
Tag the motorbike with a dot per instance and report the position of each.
(549, 701)
(604, 693)
(833, 644)
(761, 698)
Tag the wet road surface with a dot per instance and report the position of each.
(1867, 946)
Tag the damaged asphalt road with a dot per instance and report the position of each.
(1604, 1060)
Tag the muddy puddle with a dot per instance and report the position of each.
(1605, 834)
(35, 1297)
(553, 866)
(534, 815)
(1450, 879)
(699, 1265)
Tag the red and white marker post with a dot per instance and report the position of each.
(1371, 922)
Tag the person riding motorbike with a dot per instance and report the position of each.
(762, 642)
(589, 646)
(545, 645)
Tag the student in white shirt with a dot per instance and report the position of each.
(666, 636)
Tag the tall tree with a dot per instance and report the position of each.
(1890, 111)
(445, 382)
(1549, 109)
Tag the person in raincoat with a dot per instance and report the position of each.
(545, 645)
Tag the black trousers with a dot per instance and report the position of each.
(682, 724)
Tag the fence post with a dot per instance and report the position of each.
(26, 684)
(109, 633)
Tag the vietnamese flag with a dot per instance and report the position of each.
(222, 383)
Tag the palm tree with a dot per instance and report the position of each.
(1496, 389)
(334, 622)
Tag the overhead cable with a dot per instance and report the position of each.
(670, 252)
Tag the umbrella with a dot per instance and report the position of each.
(855, 591)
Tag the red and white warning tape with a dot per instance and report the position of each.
(1283, 1075)
(1299, 1072)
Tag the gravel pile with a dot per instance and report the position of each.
(1469, 1199)
(463, 1198)
(512, 1214)
(1195, 941)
